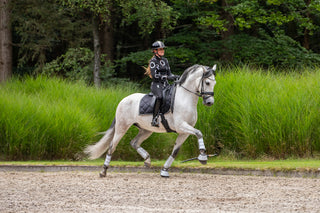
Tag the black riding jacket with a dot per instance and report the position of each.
(161, 73)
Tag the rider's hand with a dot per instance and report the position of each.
(164, 77)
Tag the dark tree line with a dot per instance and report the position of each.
(5, 41)
(105, 38)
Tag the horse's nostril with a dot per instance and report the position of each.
(208, 103)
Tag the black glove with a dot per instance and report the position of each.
(164, 77)
(173, 77)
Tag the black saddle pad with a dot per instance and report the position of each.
(147, 102)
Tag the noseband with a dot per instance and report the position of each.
(203, 94)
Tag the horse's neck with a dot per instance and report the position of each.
(185, 98)
(185, 95)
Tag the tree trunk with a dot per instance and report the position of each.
(306, 31)
(107, 37)
(5, 42)
(97, 52)
(108, 40)
(227, 54)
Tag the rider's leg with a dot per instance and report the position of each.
(137, 141)
(156, 111)
(157, 89)
(180, 140)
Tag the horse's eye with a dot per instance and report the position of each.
(207, 83)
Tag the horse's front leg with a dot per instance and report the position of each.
(180, 140)
(186, 128)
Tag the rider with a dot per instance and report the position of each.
(159, 71)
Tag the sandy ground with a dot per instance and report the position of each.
(147, 192)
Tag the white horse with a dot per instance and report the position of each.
(196, 81)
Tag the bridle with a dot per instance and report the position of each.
(202, 93)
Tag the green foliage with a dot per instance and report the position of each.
(196, 31)
(44, 28)
(35, 124)
(213, 19)
(77, 64)
(148, 14)
(280, 51)
(141, 58)
(52, 119)
(247, 14)
(97, 7)
(259, 114)
(255, 115)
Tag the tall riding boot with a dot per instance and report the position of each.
(156, 110)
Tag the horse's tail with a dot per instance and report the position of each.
(96, 150)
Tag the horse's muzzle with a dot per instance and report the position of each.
(208, 100)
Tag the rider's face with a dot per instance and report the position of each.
(160, 52)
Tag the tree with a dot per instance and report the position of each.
(195, 31)
(5, 41)
(271, 15)
(264, 20)
(98, 11)
(43, 30)
(147, 14)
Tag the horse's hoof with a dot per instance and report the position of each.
(164, 173)
(203, 158)
(203, 162)
(103, 174)
(147, 163)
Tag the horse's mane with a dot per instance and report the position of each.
(186, 73)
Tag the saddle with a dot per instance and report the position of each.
(147, 102)
(146, 105)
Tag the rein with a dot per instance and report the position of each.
(202, 93)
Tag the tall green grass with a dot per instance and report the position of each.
(52, 119)
(259, 114)
(256, 114)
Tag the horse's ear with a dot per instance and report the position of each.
(214, 69)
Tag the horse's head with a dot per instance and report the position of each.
(203, 80)
(208, 82)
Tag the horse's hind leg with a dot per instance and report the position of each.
(119, 133)
(137, 141)
(180, 140)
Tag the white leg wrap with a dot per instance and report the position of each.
(203, 158)
(143, 153)
(107, 161)
(201, 144)
(168, 162)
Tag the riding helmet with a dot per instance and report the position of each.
(158, 44)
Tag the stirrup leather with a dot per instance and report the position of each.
(155, 121)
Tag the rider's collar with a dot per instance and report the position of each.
(157, 56)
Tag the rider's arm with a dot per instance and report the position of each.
(170, 75)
